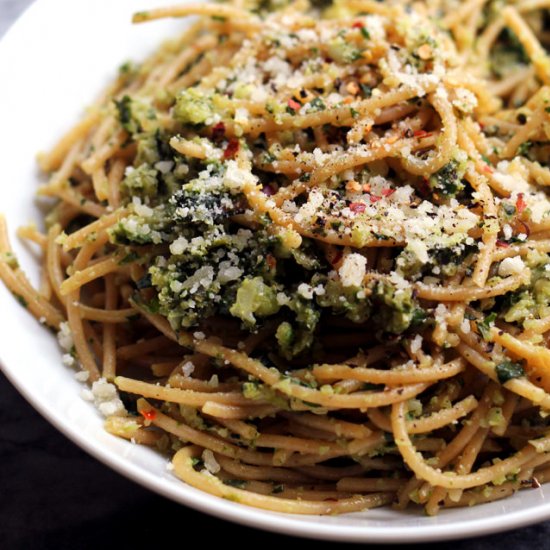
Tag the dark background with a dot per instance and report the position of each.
(55, 496)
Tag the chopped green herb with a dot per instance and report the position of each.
(365, 33)
(484, 327)
(368, 386)
(508, 370)
(132, 256)
(367, 90)
(144, 282)
(238, 483)
(124, 111)
(317, 104)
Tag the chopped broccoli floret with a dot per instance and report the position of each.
(448, 180)
(193, 107)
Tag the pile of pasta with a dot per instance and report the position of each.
(396, 153)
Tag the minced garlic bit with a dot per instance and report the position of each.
(188, 368)
(210, 462)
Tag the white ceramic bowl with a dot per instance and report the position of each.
(52, 63)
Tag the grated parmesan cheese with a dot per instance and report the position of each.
(353, 270)
(511, 266)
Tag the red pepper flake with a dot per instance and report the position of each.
(421, 133)
(375, 198)
(231, 149)
(521, 205)
(294, 105)
(271, 261)
(424, 187)
(358, 25)
(218, 132)
(337, 257)
(502, 244)
(149, 415)
(388, 192)
(487, 169)
(357, 207)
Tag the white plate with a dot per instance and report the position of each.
(52, 63)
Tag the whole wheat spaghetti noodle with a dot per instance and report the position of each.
(303, 250)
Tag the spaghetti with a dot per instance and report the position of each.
(304, 250)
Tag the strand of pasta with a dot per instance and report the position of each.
(446, 141)
(185, 397)
(183, 468)
(434, 421)
(81, 345)
(445, 479)
(520, 386)
(453, 448)
(463, 466)
(232, 412)
(218, 445)
(109, 330)
(105, 266)
(338, 115)
(184, 10)
(529, 41)
(17, 283)
(452, 293)
(397, 376)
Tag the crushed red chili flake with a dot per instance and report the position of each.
(502, 244)
(271, 261)
(388, 192)
(218, 132)
(337, 257)
(424, 187)
(357, 207)
(421, 133)
(375, 198)
(149, 415)
(231, 149)
(521, 205)
(487, 169)
(294, 105)
(358, 25)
